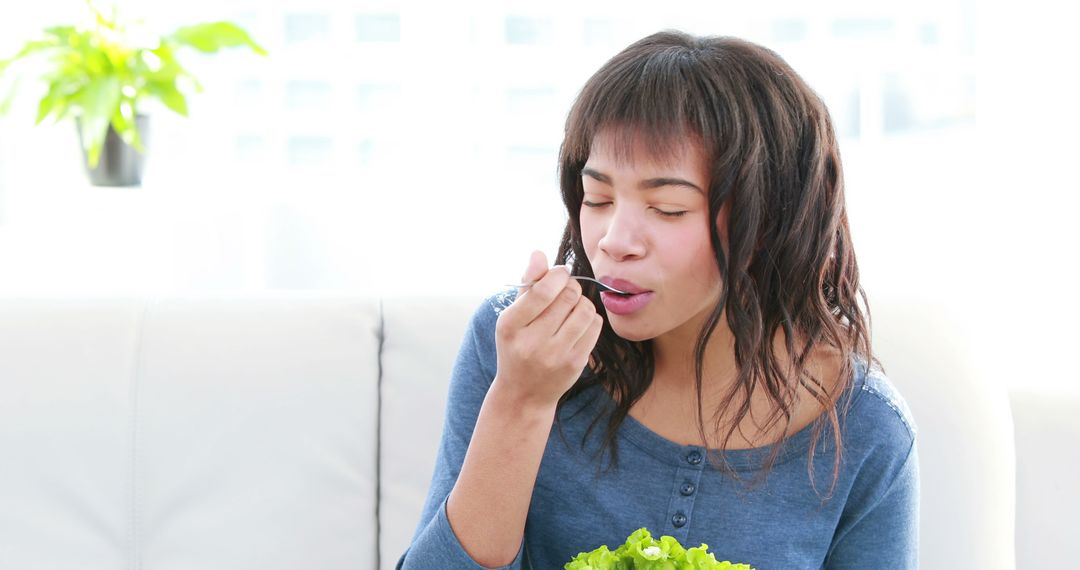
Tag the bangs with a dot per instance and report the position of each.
(661, 98)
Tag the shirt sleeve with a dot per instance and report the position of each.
(885, 532)
(434, 545)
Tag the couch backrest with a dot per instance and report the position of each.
(217, 434)
(232, 433)
(965, 438)
(421, 342)
(1047, 419)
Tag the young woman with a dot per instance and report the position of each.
(729, 399)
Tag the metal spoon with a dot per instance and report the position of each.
(603, 286)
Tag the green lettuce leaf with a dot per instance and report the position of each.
(642, 552)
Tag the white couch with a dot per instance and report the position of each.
(298, 431)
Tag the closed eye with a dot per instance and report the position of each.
(658, 210)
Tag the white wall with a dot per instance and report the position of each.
(428, 155)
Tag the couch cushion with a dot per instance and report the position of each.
(1047, 462)
(66, 368)
(421, 340)
(200, 433)
(965, 440)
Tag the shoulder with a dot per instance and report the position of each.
(487, 313)
(880, 446)
(480, 334)
(879, 417)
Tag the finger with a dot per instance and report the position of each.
(535, 270)
(577, 322)
(531, 303)
(587, 342)
(549, 300)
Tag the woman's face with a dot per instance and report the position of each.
(647, 223)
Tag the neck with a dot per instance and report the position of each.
(674, 359)
(674, 356)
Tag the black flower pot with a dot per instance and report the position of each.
(119, 164)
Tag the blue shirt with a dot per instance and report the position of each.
(870, 521)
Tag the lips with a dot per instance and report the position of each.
(622, 285)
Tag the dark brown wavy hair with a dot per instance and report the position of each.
(789, 261)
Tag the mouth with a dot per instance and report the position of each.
(623, 285)
(626, 305)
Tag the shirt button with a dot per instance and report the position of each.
(687, 489)
(693, 458)
(679, 520)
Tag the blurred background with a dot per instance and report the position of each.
(393, 148)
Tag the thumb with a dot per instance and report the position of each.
(537, 267)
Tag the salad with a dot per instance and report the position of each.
(642, 552)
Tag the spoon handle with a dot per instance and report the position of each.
(580, 277)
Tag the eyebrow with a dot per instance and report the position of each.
(650, 184)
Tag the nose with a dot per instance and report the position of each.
(623, 237)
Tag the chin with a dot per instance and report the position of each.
(629, 333)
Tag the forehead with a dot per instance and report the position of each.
(634, 150)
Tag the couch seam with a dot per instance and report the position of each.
(380, 335)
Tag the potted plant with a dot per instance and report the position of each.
(101, 74)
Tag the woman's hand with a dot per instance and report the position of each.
(544, 339)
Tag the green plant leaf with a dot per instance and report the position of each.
(9, 98)
(61, 35)
(31, 48)
(95, 61)
(168, 69)
(211, 37)
(49, 103)
(167, 92)
(126, 126)
(115, 54)
(63, 93)
(99, 101)
(101, 19)
(5, 103)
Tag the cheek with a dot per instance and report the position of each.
(693, 252)
(590, 233)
